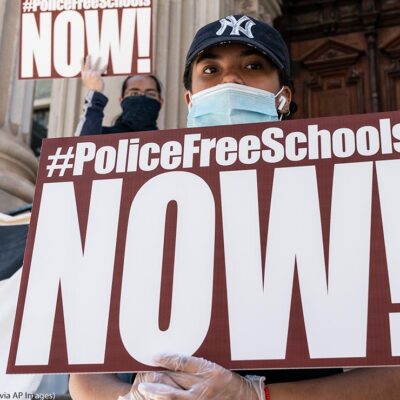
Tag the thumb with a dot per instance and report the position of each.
(159, 391)
(177, 362)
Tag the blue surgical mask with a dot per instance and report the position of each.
(231, 103)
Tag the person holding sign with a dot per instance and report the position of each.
(238, 71)
(141, 101)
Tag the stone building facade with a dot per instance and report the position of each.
(345, 60)
(175, 22)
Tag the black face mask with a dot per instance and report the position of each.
(140, 113)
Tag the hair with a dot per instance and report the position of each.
(156, 80)
(284, 80)
(187, 77)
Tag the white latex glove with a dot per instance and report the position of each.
(92, 74)
(153, 377)
(196, 378)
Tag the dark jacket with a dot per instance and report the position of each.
(92, 118)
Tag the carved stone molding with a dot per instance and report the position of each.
(392, 48)
(265, 10)
(335, 86)
(332, 54)
(391, 72)
(308, 19)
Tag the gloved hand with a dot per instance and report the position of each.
(196, 378)
(152, 377)
(92, 74)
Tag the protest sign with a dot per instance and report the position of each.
(57, 34)
(271, 245)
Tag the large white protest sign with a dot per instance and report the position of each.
(269, 245)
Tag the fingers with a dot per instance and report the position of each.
(176, 362)
(97, 64)
(86, 65)
(92, 75)
(178, 380)
(155, 377)
(83, 65)
(103, 70)
(185, 380)
(159, 391)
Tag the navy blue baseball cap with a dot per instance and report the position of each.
(246, 30)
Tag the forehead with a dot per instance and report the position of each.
(141, 82)
(230, 51)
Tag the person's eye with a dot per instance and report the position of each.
(254, 66)
(152, 94)
(133, 93)
(210, 70)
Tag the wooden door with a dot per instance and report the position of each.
(345, 55)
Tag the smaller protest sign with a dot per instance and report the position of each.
(57, 34)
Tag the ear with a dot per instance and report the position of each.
(120, 100)
(282, 102)
(187, 97)
(161, 101)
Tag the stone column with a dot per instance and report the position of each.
(65, 107)
(18, 165)
(176, 22)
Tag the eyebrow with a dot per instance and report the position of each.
(134, 88)
(210, 55)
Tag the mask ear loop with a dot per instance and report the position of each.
(280, 91)
(190, 103)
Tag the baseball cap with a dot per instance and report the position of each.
(246, 30)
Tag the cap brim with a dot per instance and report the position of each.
(249, 42)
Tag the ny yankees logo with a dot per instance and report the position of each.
(236, 26)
